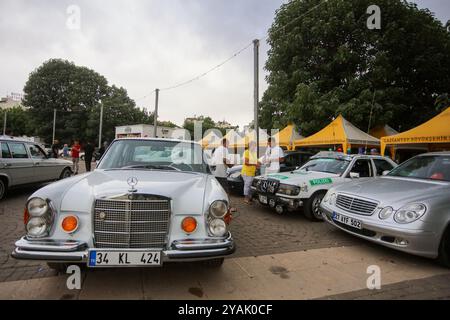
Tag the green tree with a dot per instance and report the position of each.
(328, 62)
(207, 124)
(77, 94)
(19, 121)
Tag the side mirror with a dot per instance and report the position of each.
(385, 172)
(354, 175)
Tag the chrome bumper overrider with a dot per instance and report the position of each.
(77, 251)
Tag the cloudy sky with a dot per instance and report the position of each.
(147, 44)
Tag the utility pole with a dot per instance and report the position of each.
(155, 115)
(54, 125)
(256, 91)
(101, 126)
(4, 122)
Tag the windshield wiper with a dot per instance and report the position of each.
(151, 167)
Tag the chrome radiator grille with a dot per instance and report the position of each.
(131, 223)
(355, 205)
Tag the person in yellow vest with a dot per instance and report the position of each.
(249, 170)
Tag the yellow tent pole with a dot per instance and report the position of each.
(344, 147)
(382, 147)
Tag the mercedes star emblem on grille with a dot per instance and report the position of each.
(132, 182)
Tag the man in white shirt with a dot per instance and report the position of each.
(220, 161)
(273, 157)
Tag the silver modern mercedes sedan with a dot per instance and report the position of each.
(406, 209)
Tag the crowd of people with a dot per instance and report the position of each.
(271, 160)
(74, 152)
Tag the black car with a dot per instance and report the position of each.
(292, 160)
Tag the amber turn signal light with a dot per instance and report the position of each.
(26, 216)
(70, 224)
(189, 224)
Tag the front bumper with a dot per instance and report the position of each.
(78, 252)
(414, 241)
(290, 202)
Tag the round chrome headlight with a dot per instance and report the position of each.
(217, 227)
(37, 227)
(385, 213)
(218, 209)
(410, 213)
(37, 207)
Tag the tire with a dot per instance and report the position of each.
(444, 249)
(213, 263)
(3, 189)
(66, 173)
(312, 207)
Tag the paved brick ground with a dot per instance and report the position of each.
(436, 288)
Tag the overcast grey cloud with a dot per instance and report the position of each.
(142, 45)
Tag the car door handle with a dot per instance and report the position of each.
(37, 163)
(6, 165)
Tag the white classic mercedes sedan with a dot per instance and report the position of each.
(148, 201)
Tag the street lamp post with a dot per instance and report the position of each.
(4, 122)
(54, 125)
(101, 126)
(155, 115)
(256, 91)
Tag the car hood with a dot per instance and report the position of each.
(301, 176)
(187, 190)
(394, 191)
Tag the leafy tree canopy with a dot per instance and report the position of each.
(77, 94)
(328, 63)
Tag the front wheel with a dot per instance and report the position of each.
(444, 249)
(312, 207)
(2, 189)
(65, 174)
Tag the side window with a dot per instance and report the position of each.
(362, 166)
(18, 150)
(36, 152)
(289, 160)
(382, 165)
(6, 154)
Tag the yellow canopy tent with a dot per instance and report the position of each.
(383, 131)
(338, 132)
(436, 130)
(232, 136)
(251, 136)
(286, 137)
(209, 139)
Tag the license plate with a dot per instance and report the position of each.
(109, 258)
(263, 199)
(347, 220)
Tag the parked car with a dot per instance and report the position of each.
(129, 212)
(26, 163)
(408, 209)
(307, 186)
(292, 161)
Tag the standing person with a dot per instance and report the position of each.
(103, 148)
(66, 151)
(88, 153)
(273, 157)
(249, 170)
(220, 160)
(55, 149)
(76, 148)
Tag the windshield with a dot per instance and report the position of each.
(154, 155)
(425, 167)
(329, 165)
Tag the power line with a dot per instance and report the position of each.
(204, 74)
(237, 53)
